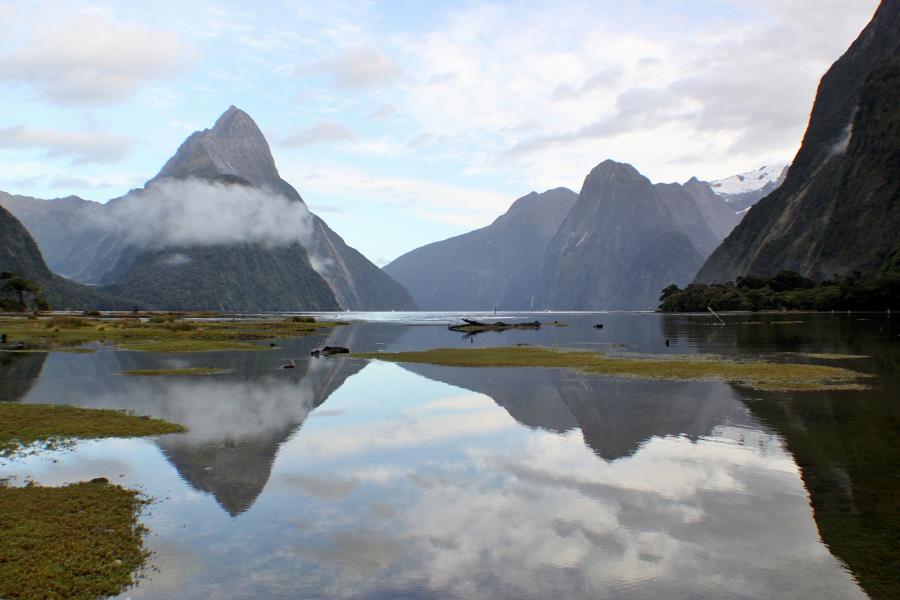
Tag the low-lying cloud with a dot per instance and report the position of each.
(184, 213)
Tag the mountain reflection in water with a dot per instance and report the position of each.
(342, 478)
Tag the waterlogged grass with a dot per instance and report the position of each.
(80, 541)
(22, 425)
(160, 333)
(757, 374)
(185, 371)
(177, 345)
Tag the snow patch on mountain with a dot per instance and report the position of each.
(748, 182)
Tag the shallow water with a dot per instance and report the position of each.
(346, 478)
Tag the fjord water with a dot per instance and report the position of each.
(348, 478)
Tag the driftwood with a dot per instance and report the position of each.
(471, 326)
(329, 350)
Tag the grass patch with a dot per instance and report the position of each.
(185, 371)
(80, 541)
(757, 374)
(829, 356)
(157, 333)
(22, 425)
(177, 345)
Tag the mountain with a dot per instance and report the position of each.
(69, 234)
(495, 266)
(19, 254)
(106, 244)
(743, 190)
(838, 210)
(236, 152)
(622, 242)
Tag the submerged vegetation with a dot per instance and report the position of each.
(79, 541)
(787, 290)
(756, 374)
(22, 425)
(156, 333)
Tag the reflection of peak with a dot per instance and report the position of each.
(234, 471)
(237, 425)
(615, 416)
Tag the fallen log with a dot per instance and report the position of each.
(472, 326)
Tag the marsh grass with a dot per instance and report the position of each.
(161, 333)
(756, 374)
(80, 541)
(23, 425)
(185, 371)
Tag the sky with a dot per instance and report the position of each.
(406, 122)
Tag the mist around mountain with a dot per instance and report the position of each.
(217, 228)
(838, 210)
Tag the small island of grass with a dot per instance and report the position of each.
(757, 374)
(79, 541)
(22, 425)
(181, 332)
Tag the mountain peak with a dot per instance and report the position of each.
(612, 173)
(234, 147)
(235, 122)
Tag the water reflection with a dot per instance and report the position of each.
(615, 416)
(346, 479)
(18, 372)
(237, 421)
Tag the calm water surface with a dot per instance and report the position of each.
(343, 478)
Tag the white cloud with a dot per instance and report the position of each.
(357, 68)
(328, 131)
(545, 92)
(428, 199)
(79, 147)
(89, 59)
(193, 212)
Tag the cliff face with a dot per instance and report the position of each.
(838, 210)
(619, 245)
(495, 266)
(19, 254)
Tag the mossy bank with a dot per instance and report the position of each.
(756, 374)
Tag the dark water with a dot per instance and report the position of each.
(343, 478)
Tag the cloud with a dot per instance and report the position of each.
(328, 131)
(79, 147)
(176, 213)
(357, 68)
(731, 86)
(432, 200)
(90, 59)
(383, 110)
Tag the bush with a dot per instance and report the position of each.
(302, 320)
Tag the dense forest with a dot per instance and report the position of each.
(788, 290)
